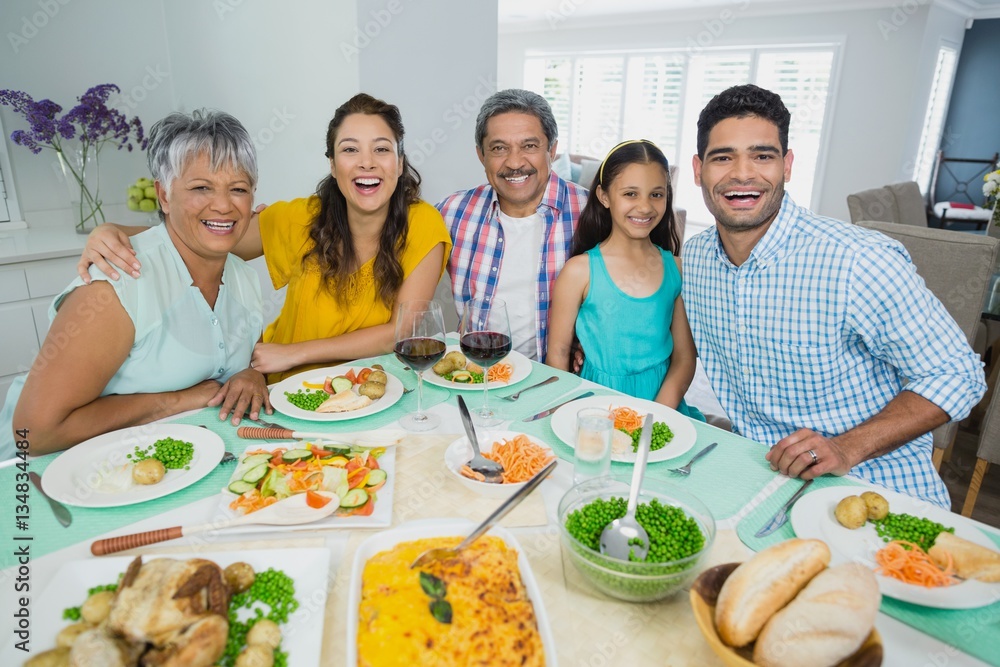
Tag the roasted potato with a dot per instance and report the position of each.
(878, 506)
(458, 360)
(378, 376)
(373, 390)
(148, 471)
(68, 635)
(378, 367)
(265, 632)
(852, 512)
(57, 657)
(443, 367)
(97, 607)
(255, 655)
(239, 577)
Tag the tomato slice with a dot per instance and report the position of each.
(316, 500)
(366, 509)
(363, 375)
(357, 478)
(328, 385)
(371, 463)
(350, 375)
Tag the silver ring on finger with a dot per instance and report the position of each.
(812, 453)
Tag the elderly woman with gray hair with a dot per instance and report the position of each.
(127, 352)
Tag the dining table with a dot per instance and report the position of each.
(589, 628)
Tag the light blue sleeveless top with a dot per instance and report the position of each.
(626, 339)
(179, 339)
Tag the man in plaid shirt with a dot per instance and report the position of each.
(512, 235)
(817, 335)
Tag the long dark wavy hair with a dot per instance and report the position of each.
(595, 220)
(333, 247)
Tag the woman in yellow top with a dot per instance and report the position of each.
(364, 242)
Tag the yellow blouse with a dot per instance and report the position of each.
(310, 310)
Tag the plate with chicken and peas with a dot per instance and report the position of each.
(336, 393)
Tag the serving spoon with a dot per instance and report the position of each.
(287, 512)
(624, 537)
(490, 470)
(441, 553)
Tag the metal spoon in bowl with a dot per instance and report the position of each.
(491, 470)
(624, 537)
(500, 512)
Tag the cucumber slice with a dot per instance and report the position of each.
(341, 383)
(254, 460)
(354, 498)
(240, 487)
(255, 474)
(293, 455)
(340, 450)
(375, 477)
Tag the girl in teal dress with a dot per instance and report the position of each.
(620, 291)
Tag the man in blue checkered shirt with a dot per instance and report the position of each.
(819, 337)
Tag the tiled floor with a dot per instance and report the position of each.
(958, 471)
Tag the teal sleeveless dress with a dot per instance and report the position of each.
(626, 339)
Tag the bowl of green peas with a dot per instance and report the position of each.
(681, 531)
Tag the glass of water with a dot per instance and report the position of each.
(593, 444)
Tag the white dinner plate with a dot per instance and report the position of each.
(812, 517)
(393, 392)
(302, 633)
(520, 370)
(379, 518)
(564, 424)
(81, 474)
(421, 529)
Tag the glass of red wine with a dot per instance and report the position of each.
(484, 336)
(419, 344)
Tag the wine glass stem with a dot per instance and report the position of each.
(420, 395)
(486, 392)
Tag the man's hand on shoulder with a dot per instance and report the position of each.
(807, 454)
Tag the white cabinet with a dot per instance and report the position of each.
(26, 290)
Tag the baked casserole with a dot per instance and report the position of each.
(471, 609)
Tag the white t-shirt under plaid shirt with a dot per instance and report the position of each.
(820, 328)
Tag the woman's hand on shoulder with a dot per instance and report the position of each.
(108, 244)
(244, 392)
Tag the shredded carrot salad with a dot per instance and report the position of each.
(626, 418)
(500, 373)
(519, 456)
(910, 564)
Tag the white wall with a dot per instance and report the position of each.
(878, 104)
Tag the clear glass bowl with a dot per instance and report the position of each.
(627, 580)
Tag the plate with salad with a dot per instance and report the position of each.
(361, 479)
(673, 433)
(456, 371)
(336, 393)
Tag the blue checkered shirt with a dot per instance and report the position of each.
(820, 328)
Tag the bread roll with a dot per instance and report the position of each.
(763, 585)
(971, 560)
(828, 621)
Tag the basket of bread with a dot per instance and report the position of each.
(786, 606)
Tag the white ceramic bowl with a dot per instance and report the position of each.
(460, 451)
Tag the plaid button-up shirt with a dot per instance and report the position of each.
(472, 217)
(820, 328)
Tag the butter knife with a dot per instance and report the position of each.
(62, 514)
(781, 516)
(546, 413)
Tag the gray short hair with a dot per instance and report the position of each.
(181, 136)
(517, 101)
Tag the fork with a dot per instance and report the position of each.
(517, 395)
(686, 469)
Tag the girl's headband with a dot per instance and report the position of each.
(600, 172)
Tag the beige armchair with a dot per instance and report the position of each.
(957, 268)
(901, 203)
(988, 452)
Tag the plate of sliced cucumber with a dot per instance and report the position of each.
(362, 479)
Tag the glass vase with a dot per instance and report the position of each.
(82, 172)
